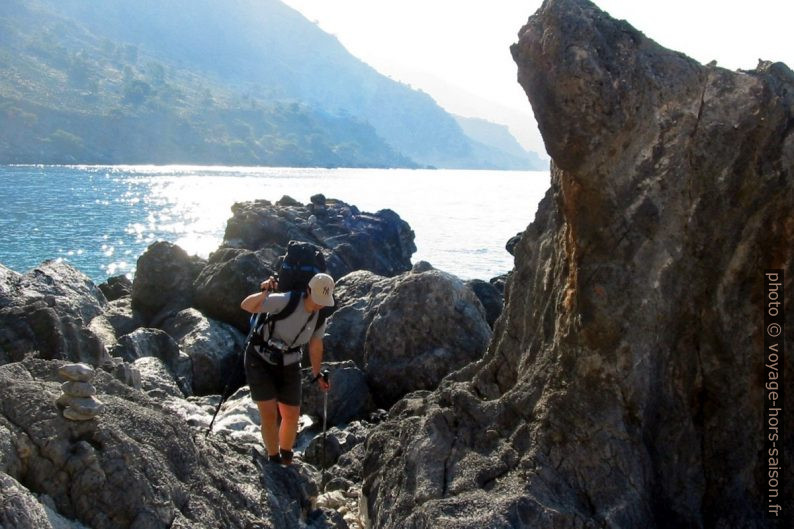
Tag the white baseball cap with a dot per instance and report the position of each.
(322, 289)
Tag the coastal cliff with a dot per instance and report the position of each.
(624, 384)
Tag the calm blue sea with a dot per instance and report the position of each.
(101, 219)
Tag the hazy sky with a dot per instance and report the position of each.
(458, 50)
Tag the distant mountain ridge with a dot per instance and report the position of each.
(498, 137)
(205, 81)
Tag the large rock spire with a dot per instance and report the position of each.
(624, 385)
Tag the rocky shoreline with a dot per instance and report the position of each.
(162, 346)
(621, 386)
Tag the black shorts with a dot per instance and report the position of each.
(268, 382)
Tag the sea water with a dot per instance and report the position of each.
(101, 219)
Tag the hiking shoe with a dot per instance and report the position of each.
(275, 458)
(286, 456)
(260, 458)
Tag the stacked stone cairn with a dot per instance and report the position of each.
(78, 401)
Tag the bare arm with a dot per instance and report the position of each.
(253, 303)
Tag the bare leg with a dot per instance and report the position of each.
(268, 414)
(289, 425)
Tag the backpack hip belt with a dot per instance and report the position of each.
(278, 357)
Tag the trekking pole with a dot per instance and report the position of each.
(324, 375)
(230, 380)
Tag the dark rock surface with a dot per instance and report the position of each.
(348, 399)
(357, 295)
(510, 246)
(406, 332)
(211, 345)
(348, 468)
(380, 242)
(122, 317)
(338, 441)
(138, 466)
(623, 387)
(20, 508)
(116, 287)
(499, 283)
(490, 297)
(164, 281)
(145, 342)
(47, 311)
(231, 275)
(287, 200)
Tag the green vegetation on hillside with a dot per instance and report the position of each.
(69, 96)
(246, 82)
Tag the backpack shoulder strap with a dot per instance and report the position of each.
(289, 308)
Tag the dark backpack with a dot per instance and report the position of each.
(302, 261)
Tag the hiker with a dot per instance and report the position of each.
(272, 363)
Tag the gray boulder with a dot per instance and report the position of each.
(137, 466)
(408, 331)
(58, 283)
(346, 474)
(422, 266)
(146, 342)
(287, 200)
(623, 385)
(350, 463)
(47, 311)
(164, 281)
(349, 397)
(230, 276)
(211, 345)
